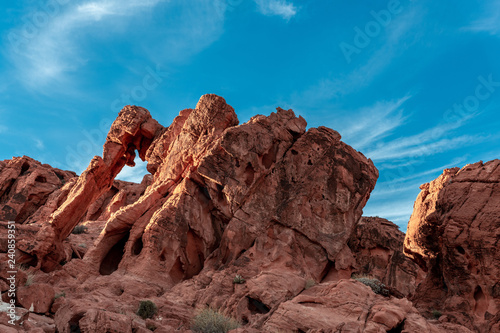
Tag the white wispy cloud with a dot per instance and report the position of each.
(387, 187)
(281, 8)
(374, 123)
(53, 49)
(429, 142)
(490, 22)
(60, 47)
(39, 144)
(397, 211)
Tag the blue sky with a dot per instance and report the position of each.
(414, 85)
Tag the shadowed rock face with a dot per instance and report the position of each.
(453, 234)
(377, 246)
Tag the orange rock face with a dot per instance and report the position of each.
(453, 234)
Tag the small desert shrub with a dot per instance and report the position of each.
(30, 278)
(436, 314)
(63, 294)
(374, 283)
(147, 309)
(238, 279)
(79, 229)
(24, 267)
(309, 283)
(212, 321)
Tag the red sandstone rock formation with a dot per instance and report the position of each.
(26, 186)
(266, 201)
(453, 233)
(377, 246)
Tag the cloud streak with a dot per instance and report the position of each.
(490, 22)
(284, 9)
(374, 123)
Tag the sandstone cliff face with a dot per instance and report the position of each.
(453, 234)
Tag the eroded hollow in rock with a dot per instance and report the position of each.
(137, 247)
(194, 253)
(481, 304)
(256, 306)
(114, 256)
(398, 328)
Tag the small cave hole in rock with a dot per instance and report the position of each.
(74, 323)
(24, 168)
(137, 247)
(460, 250)
(249, 174)
(256, 306)
(205, 193)
(194, 254)
(269, 158)
(60, 176)
(481, 303)
(294, 152)
(398, 328)
(177, 272)
(40, 179)
(111, 261)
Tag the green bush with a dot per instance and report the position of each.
(63, 294)
(147, 309)
(309, 283)
(30, 278)
(238, 279)
(436, 314)
(374, 283)
(212, 321)
(79, 229)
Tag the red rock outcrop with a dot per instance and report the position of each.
(453, 234)
(134, 129)
(377, 249)
(26, 186)
(350, 306)
(265, 199)
(259, 220)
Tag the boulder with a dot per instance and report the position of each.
(453, 234)
(37, 297)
